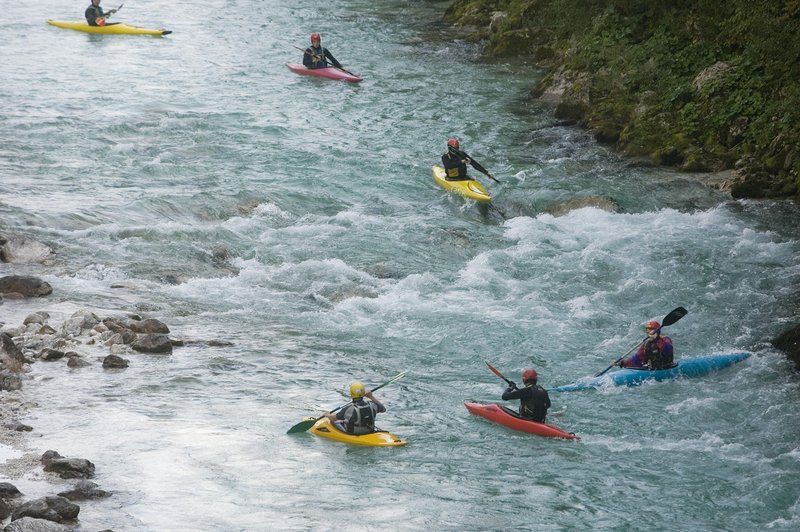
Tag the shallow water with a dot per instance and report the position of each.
(297, 218)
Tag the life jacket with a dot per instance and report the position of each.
(360, 418)
(454, 168)
(655, 357)
(319, 52)
(534, 406)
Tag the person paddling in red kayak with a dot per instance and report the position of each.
(95, 16)
(359, 416)
(316, 55)
(455, 163)
(654, 353)
(533, 399)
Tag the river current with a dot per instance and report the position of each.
(195, 179)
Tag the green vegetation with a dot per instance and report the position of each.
(703, 85)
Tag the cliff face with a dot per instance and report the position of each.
(700, 85)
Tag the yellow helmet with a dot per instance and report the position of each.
(357, 390)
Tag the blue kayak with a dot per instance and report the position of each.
(687, 367)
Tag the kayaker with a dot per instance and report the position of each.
(533, 399)
(95, 16)
(316, 55)
(455, 163)
(654, 353)
(359, 416)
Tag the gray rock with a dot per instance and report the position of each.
(9, 491)
(25, 285)
(29, 524)
(153, 343)
(51, 508)
(114, 361)
(24, 250)
(67, 467)
(83, 490)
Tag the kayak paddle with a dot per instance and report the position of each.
(308, 423)
(494, 370)
(112, 11)
(669, 319)
(477, 166)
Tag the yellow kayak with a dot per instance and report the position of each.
(325, 429)
(469, 188)
(109, 29)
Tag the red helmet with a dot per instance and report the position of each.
(529, 375)
(315, 37)
(652, 325)
(453, 143)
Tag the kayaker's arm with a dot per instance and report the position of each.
(380, 406)
(512, 392)
(329, 55)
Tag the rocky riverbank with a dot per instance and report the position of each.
(701, 87)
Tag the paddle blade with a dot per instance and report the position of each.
(674, 316)
(303, 426)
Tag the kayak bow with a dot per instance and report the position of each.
(687, 367)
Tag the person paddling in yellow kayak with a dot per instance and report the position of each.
(96, 17)
(455, 163)
(359, 416)
(316, 55)
(533, 399)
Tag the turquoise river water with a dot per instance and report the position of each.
(297, 219)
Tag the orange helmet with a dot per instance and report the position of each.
(315, 37)
(529, 375)
(453, 143)
(652, 325)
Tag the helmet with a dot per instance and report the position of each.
(315, 36)
(453, 143)
(652, 325)
(529, 375)
(357, 390)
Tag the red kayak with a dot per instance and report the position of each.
(329, 72)
(508, 418)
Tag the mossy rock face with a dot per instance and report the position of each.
(571, 110)
(751, 187)
(470, 12)
(512, 43)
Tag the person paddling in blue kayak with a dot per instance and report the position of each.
(654, 353)
(533, 399)
(359, 416)
(96, 17)
(316, 55)
(455, 163)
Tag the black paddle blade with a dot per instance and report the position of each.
(674, 316)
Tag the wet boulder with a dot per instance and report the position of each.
(25, 250)
(10, 355)
(153, 343)
(25, 286)
(83, 490)
(51, 508)
(67, 467)
(115, 362)
(9, 491)
(30, 524)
